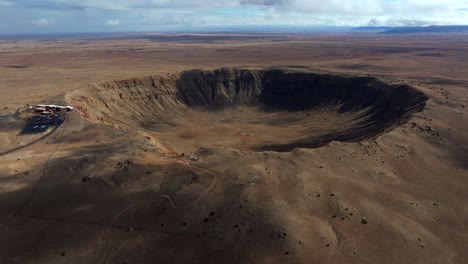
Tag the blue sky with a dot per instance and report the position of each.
(65, 16)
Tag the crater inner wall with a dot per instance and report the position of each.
(250, 109)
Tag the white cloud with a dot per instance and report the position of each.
(113, 23)
(43, 22)
(5, 3)
(303, 12)
(91, 15)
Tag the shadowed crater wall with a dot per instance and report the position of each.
(249, 109)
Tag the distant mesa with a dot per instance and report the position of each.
(250, 109)
(413, 30)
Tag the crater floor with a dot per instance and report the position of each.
(251, 128)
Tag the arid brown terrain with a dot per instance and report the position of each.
(282, 148)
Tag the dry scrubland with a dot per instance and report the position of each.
(233, 165)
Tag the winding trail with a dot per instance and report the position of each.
(101, 254)
(194, 202)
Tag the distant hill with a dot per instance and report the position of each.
(411, 30)
(430, 29)
(374, 28)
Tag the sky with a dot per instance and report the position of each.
(67, 16)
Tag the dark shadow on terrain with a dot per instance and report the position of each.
(9, 123)
(431, 54)
(456, 150)
(79, 196)
(226, 50)
(17, 66)
(367, 67)
(460, 157)
(350, 135)
(441, 81)
(396, 49)
(199, 38)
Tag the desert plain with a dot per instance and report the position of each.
(145, 170)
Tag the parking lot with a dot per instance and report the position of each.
(40, 124)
